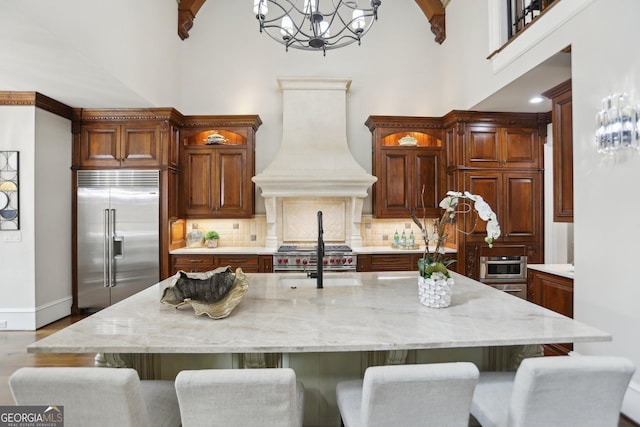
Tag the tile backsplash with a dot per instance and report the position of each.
(253, 231)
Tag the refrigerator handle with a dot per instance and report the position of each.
(106, 263)
(112, 236)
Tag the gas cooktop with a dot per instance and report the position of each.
(327, 248)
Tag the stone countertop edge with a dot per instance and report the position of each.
(259, 250)
(353, 312)
(562, 270)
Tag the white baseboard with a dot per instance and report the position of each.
(30, 319)
(53, 311)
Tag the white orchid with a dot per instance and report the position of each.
(439, 237)
(449, 203)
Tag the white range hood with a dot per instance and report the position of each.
(314, 165)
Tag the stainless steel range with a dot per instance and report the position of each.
(304, 258)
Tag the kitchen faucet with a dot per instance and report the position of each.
(319, 255)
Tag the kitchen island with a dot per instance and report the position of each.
(326, 335)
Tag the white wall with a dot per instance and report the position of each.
(17, 258)
(92, 54)
(36, 267)
(230, 68)
(52, 171)
(602, 34)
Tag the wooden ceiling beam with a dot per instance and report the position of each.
(432, 9)
(435, 13)
(187, 10)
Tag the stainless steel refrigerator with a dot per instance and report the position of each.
(117, 235)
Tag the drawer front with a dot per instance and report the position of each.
(249, 264)
(192, 260)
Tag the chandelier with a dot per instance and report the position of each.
(315, 24)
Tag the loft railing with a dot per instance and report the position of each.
(523, 12)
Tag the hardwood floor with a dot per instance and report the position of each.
(14, 355)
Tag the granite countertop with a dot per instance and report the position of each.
(260, 250)
(563, 270)
(354, 312)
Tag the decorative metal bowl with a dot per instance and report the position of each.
(214, 293)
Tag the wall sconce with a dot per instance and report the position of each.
(617, 124)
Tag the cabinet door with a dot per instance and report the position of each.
(520, 148)
(522, 210)
(553, 292)
(141, 146)
(230, 189)
(393, 189)
(197, 182)
(563, 157)
(482, 147)
(100, 146)
(429, 174)
(489, 185)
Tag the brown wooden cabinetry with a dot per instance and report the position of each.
(555, 293)
(216, 178)
(394, 262)
(126, 138)
(498, 156)
(206, 262)
(120, 145)
(491, 146)
(562, 122)
(404, 170)
(516, 198)
(192, 263)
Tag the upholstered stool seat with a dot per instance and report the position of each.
(98, 396)
(269, 397)
(581, 391)
(436, 394)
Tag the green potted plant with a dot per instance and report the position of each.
(212, 238)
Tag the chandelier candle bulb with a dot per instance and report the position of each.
(357, 22)
(260, 7)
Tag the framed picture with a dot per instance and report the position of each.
(9, 203)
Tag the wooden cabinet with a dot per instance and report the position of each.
(404, 170)
(216, 178)
(516, 198)
(126, 138)
(192, 263)
(491, 146)
(206, 262)
(562, 123)
(394, 262)
(214, 186)
(500, 157)
(555, 293)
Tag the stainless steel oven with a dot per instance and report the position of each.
(505, 273)
(503, 268)
(291, 258)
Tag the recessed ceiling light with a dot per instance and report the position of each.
(536, 100)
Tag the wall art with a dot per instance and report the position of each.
(9, 207)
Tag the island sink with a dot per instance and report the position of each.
(300, 281)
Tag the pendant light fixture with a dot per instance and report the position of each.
(315, 24)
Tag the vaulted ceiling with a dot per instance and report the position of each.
(434, 11)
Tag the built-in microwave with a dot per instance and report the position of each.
(503, 268)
